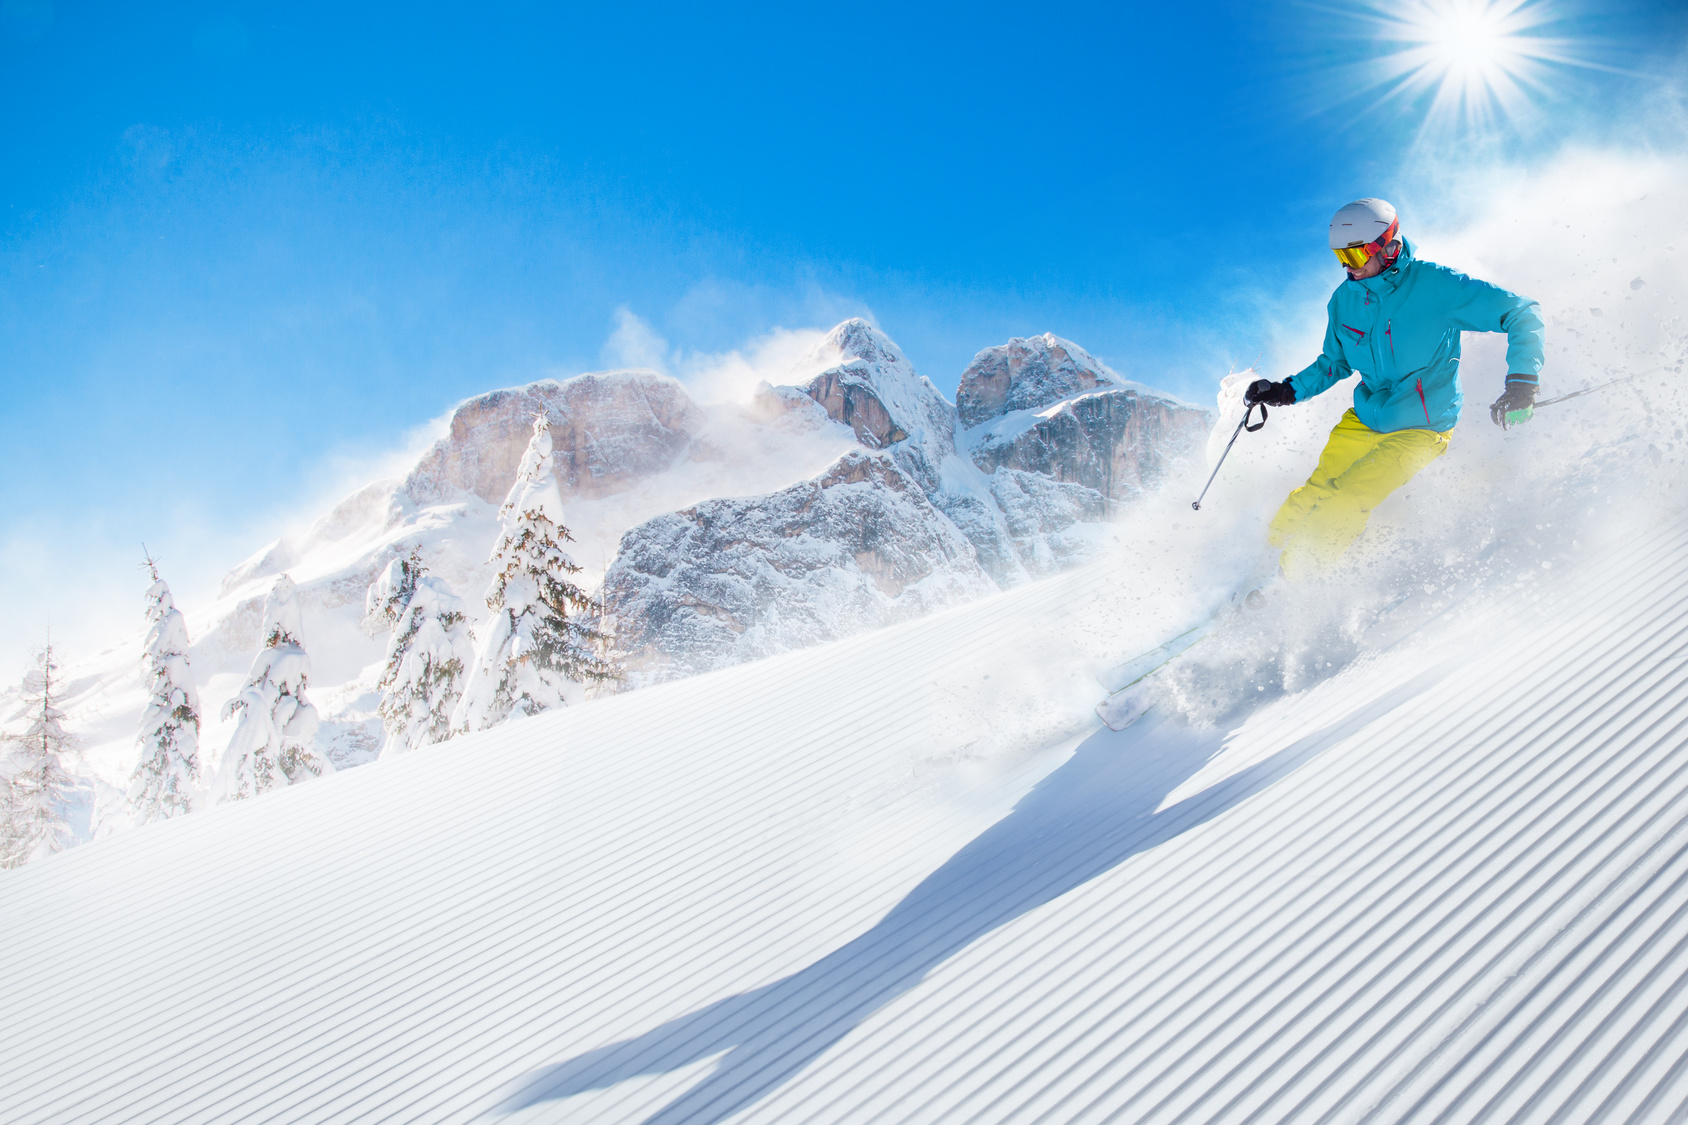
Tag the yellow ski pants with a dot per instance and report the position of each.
(1358, 468)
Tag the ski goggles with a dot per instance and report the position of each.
(1357, 255)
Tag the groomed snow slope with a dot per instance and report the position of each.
(861, 883)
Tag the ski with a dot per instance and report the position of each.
(1131, 685)
(1129, 697)
(1122, 676)
(1126, 706)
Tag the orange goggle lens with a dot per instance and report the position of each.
(1353, 256)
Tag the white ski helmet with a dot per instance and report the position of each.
(1363, 223)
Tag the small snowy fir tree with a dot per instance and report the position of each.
(164, 781)
(538, 651)
(274, 744)
(38, 787)
(427, 657)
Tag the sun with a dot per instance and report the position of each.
(1468, 39)
(1465, 64)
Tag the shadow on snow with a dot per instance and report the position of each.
(1094, 812)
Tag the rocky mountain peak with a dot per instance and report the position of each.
(865, 382)
(608, 429)
(1027, 374)
(854, 339)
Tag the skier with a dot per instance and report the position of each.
(1397, 321)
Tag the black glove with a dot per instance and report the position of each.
(1518, 395)
(1270, 393)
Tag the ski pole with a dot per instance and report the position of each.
(1236, 433)
(1514, 417)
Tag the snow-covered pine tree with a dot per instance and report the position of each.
(38, 787)
(167, 775)
(427, 657)
(538, 650)
(274, 744)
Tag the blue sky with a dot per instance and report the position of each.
(243, 243)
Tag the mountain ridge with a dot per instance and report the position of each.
(635, 450)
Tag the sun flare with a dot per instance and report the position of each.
(1466, 63)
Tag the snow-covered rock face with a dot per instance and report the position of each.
(849, 399)
(1120, 441)
(1027, 374)
(608, 431)
(727, 581)
(787, 407)
(1051, 441)
(865, 382)
(1029, 493)
(1026, 526)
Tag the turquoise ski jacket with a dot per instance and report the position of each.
(1400, 331)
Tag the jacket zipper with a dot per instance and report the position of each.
(1389, 331)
